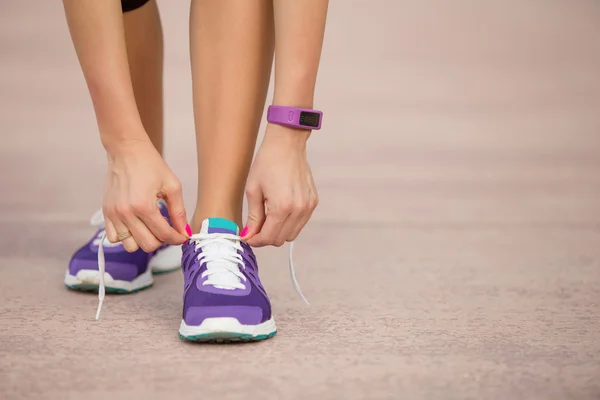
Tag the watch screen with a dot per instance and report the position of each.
(309, 119)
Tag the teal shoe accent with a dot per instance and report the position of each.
(226, 337)
(108, 290)
(165, 271)
(222, 223)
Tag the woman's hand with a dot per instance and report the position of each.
(137, 178)
(280, 189)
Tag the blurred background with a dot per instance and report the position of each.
(455, 252)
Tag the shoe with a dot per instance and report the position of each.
(125, 272)
(223, 299)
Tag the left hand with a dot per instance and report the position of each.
(280, 188)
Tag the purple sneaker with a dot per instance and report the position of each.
(223, 299)
(125, 272)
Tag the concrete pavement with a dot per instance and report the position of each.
(455, 253)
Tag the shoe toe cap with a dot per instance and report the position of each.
(246, 315)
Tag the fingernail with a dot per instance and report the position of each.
(244, 231)
(188, 230)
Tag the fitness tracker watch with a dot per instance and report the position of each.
(301, 118)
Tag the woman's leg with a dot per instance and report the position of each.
(232, 53)
(119, 45)
(143, 34)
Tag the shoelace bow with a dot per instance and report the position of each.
(231, 265)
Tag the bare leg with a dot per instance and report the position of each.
(143, 34)
(136, 175)
(232, 53)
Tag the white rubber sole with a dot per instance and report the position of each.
(89, 280)
(166, 260)
(227, 330)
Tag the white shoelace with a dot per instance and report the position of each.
(293, 274)
(222, 260)
(101, 269)
(100, 241)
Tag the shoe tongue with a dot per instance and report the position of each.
(219, 225)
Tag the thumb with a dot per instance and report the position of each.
(174, 198)
(256, 213)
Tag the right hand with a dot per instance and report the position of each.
(137, 177)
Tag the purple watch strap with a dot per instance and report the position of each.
(302, 118)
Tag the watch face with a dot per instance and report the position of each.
(310, 119)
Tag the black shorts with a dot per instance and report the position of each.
(130, 5)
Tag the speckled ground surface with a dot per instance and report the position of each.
(455, 253)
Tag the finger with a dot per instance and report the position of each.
(111, 232)
(290, 226)
(142, 235)
(303, 218)
(129, 244)
(300, 223)
(173, 195)
(160, 228)
(270, 231)
(256, 212)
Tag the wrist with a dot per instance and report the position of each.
(294, 98)
(117, 143)
(295, 86)
(119, 129)
(286, 136)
